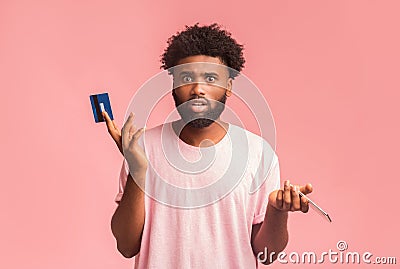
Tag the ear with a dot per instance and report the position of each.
(228, 91)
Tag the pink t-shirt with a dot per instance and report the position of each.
(192, 220)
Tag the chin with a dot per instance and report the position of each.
(200, 123)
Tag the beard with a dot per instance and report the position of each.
(214, 109)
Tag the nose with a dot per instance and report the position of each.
(198, 89)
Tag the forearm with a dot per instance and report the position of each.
(128, 220)
(272, 235)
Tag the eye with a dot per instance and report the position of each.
(187, 79)
(210, 79)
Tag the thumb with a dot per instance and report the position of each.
(306, 189)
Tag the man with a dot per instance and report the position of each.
(231, 231)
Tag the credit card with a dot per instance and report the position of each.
(101, 102)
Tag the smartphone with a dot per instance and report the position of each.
(101, 102)
(317, 208)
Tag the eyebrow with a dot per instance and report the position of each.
(205, 73)
(186, 73)
(211, 74)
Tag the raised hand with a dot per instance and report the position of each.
(132, 151)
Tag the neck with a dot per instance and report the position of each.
(201, 137)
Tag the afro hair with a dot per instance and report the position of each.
(204, 40)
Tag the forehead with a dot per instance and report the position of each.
(200, 64)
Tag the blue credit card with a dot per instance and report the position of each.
(101, 102)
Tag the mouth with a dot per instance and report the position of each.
(198, 104)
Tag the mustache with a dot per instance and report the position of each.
(200, 99)
(218, 102)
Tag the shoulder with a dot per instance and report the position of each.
(158, 131)
(256, 144)
(155, 136)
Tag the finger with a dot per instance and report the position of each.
(108, 120)
(138, 134)
(125, 130)
(306, 189)
(304, 204)
(132, 131)
(295, 198)
(135, 137)
(112, 127)
(129, 121)
(105, 114)
(116, 128)
(287, 199)
(279, 199)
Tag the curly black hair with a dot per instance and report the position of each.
(204, 40)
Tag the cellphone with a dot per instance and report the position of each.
(101, 102)
(317, 208)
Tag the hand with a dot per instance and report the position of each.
(113, 131)
(289, 199)
(133, 153)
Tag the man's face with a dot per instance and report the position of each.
(201, 85)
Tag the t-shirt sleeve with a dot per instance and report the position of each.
(123, 176)
(269, 170)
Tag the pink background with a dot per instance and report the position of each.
(329, 70)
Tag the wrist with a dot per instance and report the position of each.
(275, 211)
(139, 173)
(139, 177)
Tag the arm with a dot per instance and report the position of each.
(272, 234)
(128, 220)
